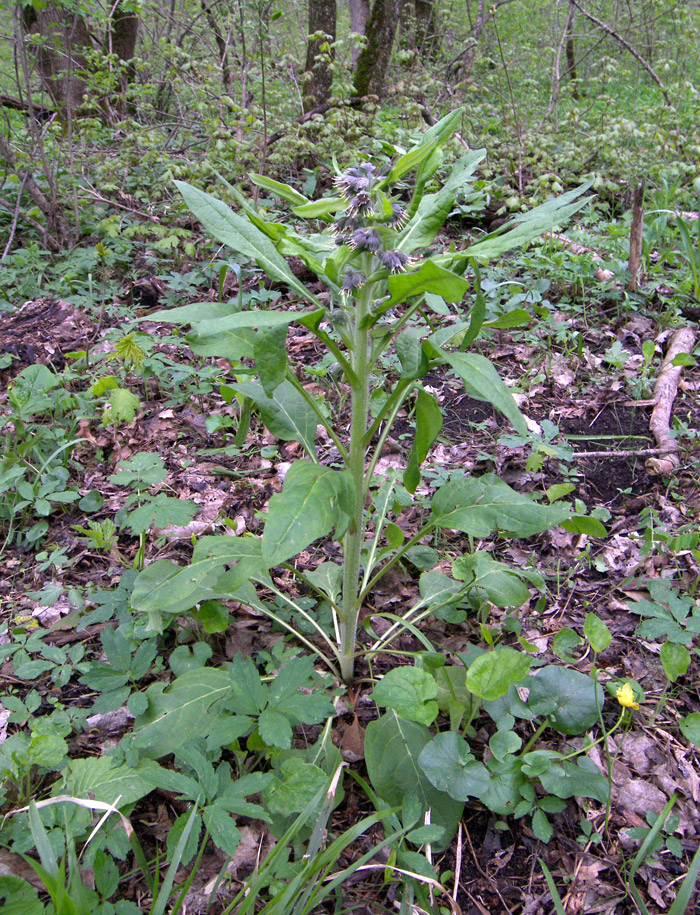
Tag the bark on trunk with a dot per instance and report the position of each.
(319, 80)
(373, 62)
(359, 16)
(59, 55)
(122, 37)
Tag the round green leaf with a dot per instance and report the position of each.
(449, 765)
(675, 659)
(568, 697)
(410, 692)
(492, 674)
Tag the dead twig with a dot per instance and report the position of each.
(665, 390)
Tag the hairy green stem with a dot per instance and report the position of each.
(356, 466)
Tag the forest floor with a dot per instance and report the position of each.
(601, 411)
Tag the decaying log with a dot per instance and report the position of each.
(665, 390)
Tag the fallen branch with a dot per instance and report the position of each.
(634, 453)
(578, 249)
(665, 391)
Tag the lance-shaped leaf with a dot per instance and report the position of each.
(429, 278)
(319, 209)
(280, 190)
(313, 501)
(286, 414)
(482, 381)
(480, 506)
(524, 227)
(428, 426)
(240, 235)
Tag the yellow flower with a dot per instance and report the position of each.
(625, 696)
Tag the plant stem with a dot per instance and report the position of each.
(359, 407)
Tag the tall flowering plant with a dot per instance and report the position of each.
(375, 256)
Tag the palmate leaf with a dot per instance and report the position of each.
(241, 236)
(313, 501)
(103, 779)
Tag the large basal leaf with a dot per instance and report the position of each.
(240, 235)
(234, 344)
(256, 318)
(313, 501)
(482, 381)
(491, 580)
(392, 748)
(190, 314)
(181, 712)
(165, 587)
(102, 779)
(569, 698)
(286, 414)
(480, 506)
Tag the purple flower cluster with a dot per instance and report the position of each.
(362, 228)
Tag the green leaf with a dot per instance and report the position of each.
(428, 426)
(413, 158)
(429, 218)
(583, 524)
(598, 635)
(569, 698)
(580, 779)
(504, 743)
(101, 778)
(161, 511)
(410, 692)
(675, 659)
(222, 828)
(480, 506)
(313, 501)
(525, 227)
(409, 349)
(241, 236)
(286, 414)
(280, 190)
(165, 587)
(319, 209)
(17, 897)
(142, 471)
(493, 673)
(299, 787)
(191, 314)
(690, 728)
(518, 317)
(294, 694)
(488, 579)
(392, 749)
(482, 381)
(271, 357)
(450, 766)
(182, 712)
(275, 729)
(123, 406)
(565, 641)
(429, 278)
(541, 826)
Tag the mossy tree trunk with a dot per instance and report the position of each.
(373, 61)
(123, 33)
(319, 54)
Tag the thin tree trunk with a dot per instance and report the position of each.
(319, 80)
(359, 16)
